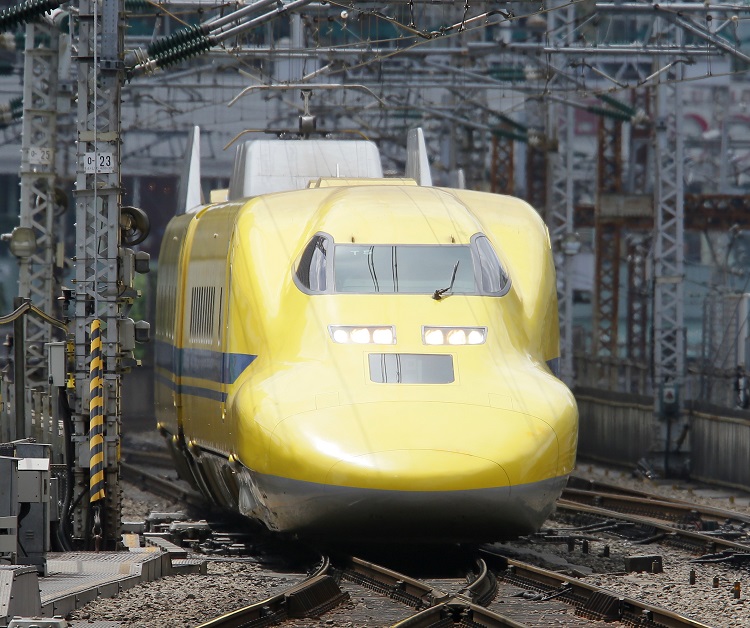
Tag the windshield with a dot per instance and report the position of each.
(418, 269)
(326, 267)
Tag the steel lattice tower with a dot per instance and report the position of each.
(560, 197)
(669, 198)
(36, 278)
(98, 289)
(669, 345)
(608, 236)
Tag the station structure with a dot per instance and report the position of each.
(586, 109)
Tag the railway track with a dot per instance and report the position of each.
(590, 601)
(502, 591)
(648, 517)
(533, 590)
(433, 607)
(161, 486)
(689, 514)
(311, 598)
(636, 514)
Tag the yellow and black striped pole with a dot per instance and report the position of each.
(96, 417)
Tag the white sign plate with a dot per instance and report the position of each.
(40, 155)
(98, 163)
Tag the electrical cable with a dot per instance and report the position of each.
(25, 12)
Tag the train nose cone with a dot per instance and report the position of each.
(417, 470)
(412, 446)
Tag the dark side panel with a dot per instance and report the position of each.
(168, 300)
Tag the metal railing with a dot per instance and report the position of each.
(614, 374)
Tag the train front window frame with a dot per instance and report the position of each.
(312, 272)
(327, 267)
(493, 277)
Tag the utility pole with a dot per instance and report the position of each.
(669, 198)
(560, 198)
(608, 231)
(99, 293)
(36, 278)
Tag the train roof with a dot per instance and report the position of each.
(389, 211)
(273, 165)
(337, 187)
(265, 166)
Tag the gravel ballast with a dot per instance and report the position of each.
(189, 600)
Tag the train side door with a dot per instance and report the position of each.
(204, 322)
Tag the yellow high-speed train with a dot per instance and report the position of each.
(366, 357)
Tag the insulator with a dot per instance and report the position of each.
(181, 53)
(617, 104)
(137, 6)
(508, 73)
(25, 12)
(609, 113)
(519, 137)
(181, 37)
(6, 116)
(16, 107)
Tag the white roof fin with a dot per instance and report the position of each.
(458, 179)
(417, 164)
(191, 192)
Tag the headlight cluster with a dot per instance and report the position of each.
(386, 335)
(454, 335)
(359, 335)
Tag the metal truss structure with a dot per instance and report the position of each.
(37, 277)
(502, 167)
(560, 205)
(100, 293)
(560, 197)
(641, 157)
(669, 199)
(608, 231)
(522, 92)
(638, 297)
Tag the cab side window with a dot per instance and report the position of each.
(493, 276)
(312, 268)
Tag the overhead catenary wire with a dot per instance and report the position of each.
(230, 19)
(194, 40)
(203, 43)
(25, 12)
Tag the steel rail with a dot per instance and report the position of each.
(590, 601)
(483, 589)
(436, 607)
(700, 541)
(395, 585)
(581, 486)
(667, 510)
(458, 614)
(310, 598)
(147, 457)
(575, 481)
(160, 486)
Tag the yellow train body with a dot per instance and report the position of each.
(269, 413)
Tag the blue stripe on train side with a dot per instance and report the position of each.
(214, 366)
(236, 363)
(207, 393)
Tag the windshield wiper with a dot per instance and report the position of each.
(439, 293)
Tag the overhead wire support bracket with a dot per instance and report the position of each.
(306, 86)
(25, 12)
(194, 40)
(708, 37)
